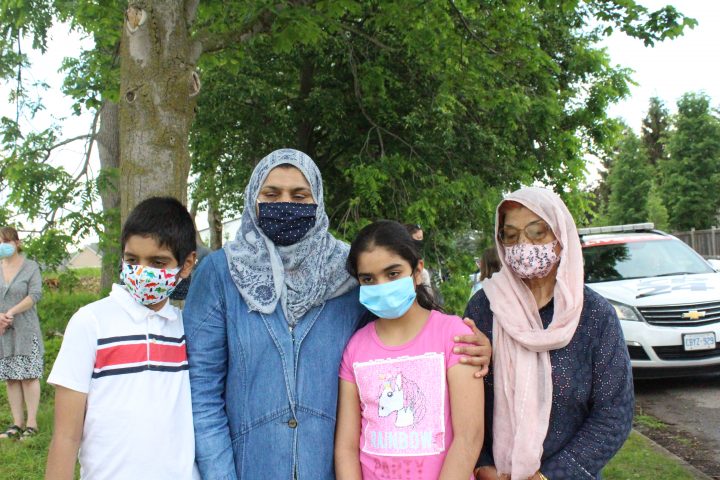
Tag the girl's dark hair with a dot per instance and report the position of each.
(394, 237)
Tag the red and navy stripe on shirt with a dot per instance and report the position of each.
(138, 353)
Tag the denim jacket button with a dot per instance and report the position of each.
(292, 423)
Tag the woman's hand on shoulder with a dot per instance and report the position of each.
(479, 350)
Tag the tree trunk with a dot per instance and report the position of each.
(215, 222)
(108, 141)
(306, 124)
(158, 85)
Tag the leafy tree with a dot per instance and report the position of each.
(414, 109)
(406, 126)
(691, 174)
(655, 127)
(630, 181)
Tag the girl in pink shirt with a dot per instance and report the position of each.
(407, 409)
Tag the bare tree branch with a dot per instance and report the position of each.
(90, 140)
(67, 141)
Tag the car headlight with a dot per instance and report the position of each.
(625, 312)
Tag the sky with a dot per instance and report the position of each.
(690, 63)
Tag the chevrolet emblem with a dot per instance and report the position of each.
(693, 315)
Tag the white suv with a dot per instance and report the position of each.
(666, 296)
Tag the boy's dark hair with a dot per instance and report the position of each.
(394, 237)
(167, 221)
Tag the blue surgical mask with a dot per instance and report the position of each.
(6, 250)
(286, 223)
(390, 299)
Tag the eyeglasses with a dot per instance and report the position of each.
(534, 232)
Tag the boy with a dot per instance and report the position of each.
(122, 388)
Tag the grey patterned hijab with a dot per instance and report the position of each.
(301, 275)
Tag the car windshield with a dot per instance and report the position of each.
(641, 259)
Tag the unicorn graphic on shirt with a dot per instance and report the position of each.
(401, 395)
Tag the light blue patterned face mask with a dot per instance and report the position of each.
(390, 299)
(6, 250)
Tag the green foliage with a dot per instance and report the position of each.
(655, 131)
(56, 308)
(656, 211)
(417, 111)
(49, 250)
(692, 172)
(68, 280)
(630, 181)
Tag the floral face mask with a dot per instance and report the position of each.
(149, 285)
(531, 261)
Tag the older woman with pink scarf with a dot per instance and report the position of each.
(559, 399)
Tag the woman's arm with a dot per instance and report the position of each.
(478, 352)
(466, 404)
(33, 295)
(24, 305)
(347, 433)
(69, 422)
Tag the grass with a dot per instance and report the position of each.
(26, 460)
(638, 460)
(650, 422)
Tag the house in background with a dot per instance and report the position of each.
(87, 257)
(230, 229)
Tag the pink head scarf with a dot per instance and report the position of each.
(521, 358)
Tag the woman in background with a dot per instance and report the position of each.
(21, 346)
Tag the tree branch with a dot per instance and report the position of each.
(209, 43)
(66, 142)
(370, 38)
(90, 141)
(469, 29)
(358, 98)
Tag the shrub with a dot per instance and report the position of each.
(56, 308)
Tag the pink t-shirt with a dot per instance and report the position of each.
(404, 401)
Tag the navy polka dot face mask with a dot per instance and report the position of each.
(286, 223)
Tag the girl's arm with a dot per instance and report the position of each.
(467, 399)
(347, 433)
(69, 422)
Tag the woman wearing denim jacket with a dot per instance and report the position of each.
(266, 321)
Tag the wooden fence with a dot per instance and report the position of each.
(705, 242)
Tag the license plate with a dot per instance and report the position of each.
(699, 341)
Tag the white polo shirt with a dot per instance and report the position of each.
(132, 364)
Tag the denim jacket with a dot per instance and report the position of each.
(264, 398)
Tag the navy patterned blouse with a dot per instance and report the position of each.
(593, 399)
